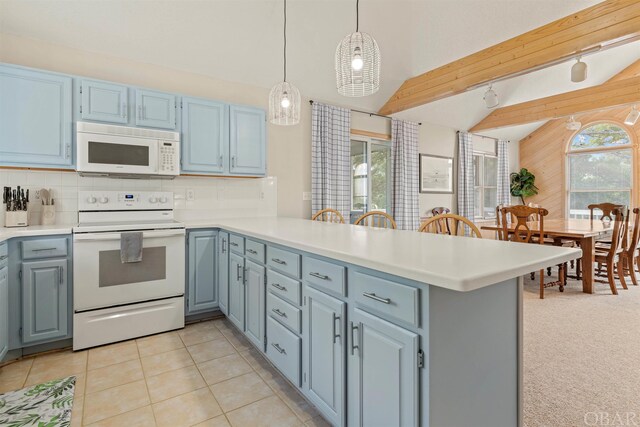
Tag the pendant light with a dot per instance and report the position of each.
(573, 124)
(357, 63)
(491, 98)
(633, 117)
(284, 99)
(579, 71)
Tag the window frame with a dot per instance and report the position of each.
(482, 187)
(631, 147)
(369, 141)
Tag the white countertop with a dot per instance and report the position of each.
(457, 263)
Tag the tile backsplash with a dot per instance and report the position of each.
(213, 197)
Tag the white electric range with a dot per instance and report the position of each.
(115, 301)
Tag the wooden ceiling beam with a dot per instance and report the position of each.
(607, 95)
(607, 24)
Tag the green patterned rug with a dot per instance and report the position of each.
(42, 405)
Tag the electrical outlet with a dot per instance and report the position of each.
(191, 195)
(306, 195)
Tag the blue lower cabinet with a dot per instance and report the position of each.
(382, 366)
(236, 290)
(4, 312)
(223, 271)
(247, 141)
(35, 118)
(255, 276)
(202, 286)
(44, 300)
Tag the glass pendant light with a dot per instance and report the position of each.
(358, 63)
(284, 99)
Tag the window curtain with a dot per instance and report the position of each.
(504, 181)
(466, 200)
(404, 170)
(330, 158)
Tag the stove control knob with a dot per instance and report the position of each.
(153, 199)
(91, 200)
(163, 199)
(104, 199)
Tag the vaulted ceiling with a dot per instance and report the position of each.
(241, 41)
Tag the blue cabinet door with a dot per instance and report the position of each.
(205, 136)
(323, 353)
(247, 141)
(255, 303)
(35, 118)
(44, 300)
(105, 102)
(383, 364)
(236, 290)
(223, 271)
(203, 292)
(155, 109)
(4, 312)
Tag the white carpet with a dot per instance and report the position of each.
(581, 356)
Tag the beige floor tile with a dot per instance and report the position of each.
(237, 339)
(259, 363)
(76, 412)
(13, 376)
(240, 391)
(187, 409)
(111, 354)
(199, 334)
(223, 324)
(56, 365)
(174, 383)
(223, 368)
(294, 400)
(115, 401)
(317, 422)
(265, 413)
(160, 343)
(219, 421)
(211, 350)
(141, 417)
(114, 375)
(164, 362)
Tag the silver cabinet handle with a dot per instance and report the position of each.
(61, 275)
(336, 335)
(251, 251)
(279, 313)
(224, 244)
(44, 249)
(233, 161)
(233, 244)
(353, 341)
(3, 257)
(278, 286)
(279, 261)
(279, 349)
(319, 276)
(239, 276)
(220, 159)
(376, 298)
(124, 110)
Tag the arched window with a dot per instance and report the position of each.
(600, 162)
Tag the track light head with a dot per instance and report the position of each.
(633, 117)
(491, 98)
(579, 71)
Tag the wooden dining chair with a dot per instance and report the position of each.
(612, 255)
(523, 233)
(376, 219)
(328, 215)
(499, 235)
(451, 224)
(440, 210)
(632, 248)
(606, 208)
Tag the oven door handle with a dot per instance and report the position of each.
(101, 237)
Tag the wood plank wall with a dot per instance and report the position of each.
(543, 152)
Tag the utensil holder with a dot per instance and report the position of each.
(16, 219)
(48, 215)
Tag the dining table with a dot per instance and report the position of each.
(583, 231)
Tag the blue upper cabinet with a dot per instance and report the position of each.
(205, 132)
(155, 109)
(105, 102)
(35, 118)
(247, 141)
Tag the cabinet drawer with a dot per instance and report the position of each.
(236, 244)
(45, 248)
(284, 312)
(391, 299)
(254, 250)
(284, 286)
(284, 261)
(283, 349)
(325, 275)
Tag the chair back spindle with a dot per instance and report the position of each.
(451, 224)
(328, 215)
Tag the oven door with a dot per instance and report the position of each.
(101, 280)
(99, 153)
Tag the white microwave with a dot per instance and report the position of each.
(107, 150)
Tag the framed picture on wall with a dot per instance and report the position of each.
(436, 174)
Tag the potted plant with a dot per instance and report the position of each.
(523, 184)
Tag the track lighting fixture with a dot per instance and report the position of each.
(633, 117)
(579, 71)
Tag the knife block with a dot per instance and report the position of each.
(16, 219)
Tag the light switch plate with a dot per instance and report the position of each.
(191, 194)
(306, 195)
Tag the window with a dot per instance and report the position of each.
(485, 175)
(370, 176)
(600, 162)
